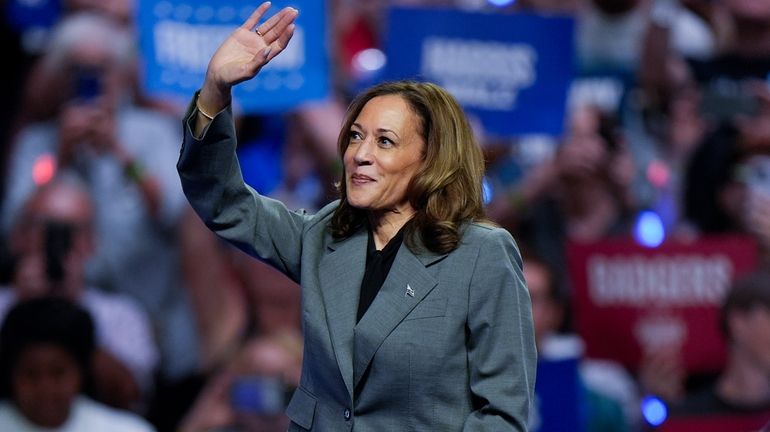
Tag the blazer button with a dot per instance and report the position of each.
(346, 414)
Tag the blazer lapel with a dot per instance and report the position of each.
(341, 272)
(407, 283)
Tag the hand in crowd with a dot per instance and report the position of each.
(272, 357)
(86, 124)
(581, 156)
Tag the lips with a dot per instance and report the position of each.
(360, 178)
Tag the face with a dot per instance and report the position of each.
(72, 211)
(45, 383)
(384, 152)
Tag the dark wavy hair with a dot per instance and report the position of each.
(447, 190)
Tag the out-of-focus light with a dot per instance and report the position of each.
(501, 3)
(654, 411)
(649, 229)
(43, 169)
(486, 191)
(369, 60)
(658, 173)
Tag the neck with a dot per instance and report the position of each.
(385, 224)
(743, 382)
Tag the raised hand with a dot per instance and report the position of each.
(244, 53)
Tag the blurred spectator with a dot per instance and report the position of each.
(126, 156)
(582, 194)
(608, 392)
(726, 187)
(52, 242)
(743, 386)
(46, 348)
(253, 298)
(251, 393)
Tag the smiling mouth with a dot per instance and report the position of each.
(360, 179)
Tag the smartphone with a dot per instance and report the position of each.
(58, 243)
(726, 102)
(87, 83)
(258, 395)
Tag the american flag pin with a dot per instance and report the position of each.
(409, 291)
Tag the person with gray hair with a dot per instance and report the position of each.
(125, 155)
(51, 243)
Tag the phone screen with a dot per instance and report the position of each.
(258, 395)
(88, 83)
(58, 242)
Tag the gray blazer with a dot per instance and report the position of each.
(446, 345)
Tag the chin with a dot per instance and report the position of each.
(357, 203)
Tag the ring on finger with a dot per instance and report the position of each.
(259, 33)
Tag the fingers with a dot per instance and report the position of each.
(282, 42)
(274, 27)
(273, 49)
(256, 16)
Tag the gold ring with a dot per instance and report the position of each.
(256, 30)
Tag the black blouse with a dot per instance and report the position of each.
(378, 265)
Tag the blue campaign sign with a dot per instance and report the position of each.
(178, 37)
(513, 71)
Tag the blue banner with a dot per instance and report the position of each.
(512, 71)
(178, 37)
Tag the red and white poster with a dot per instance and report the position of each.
(630, 299)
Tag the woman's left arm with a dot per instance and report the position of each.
(501, 343)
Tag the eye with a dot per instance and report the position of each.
(385, 142)
(355, 136)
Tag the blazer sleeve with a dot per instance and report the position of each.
(213, 184)
(501, 344)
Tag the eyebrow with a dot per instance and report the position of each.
(380, 130)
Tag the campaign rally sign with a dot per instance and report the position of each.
(512, 71)
(178, 37)
(630, 299)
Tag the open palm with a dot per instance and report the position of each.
(248, 49)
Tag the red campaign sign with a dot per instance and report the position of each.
(630, 299)
(717, 423)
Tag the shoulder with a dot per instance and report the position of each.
(492, 245)
(10, 418)
(141, 123)
(133, 115)
(487, 235)
(323, 217)
(91, 415)
(35, 136)
(111, 305)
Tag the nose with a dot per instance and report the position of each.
(363, 152)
